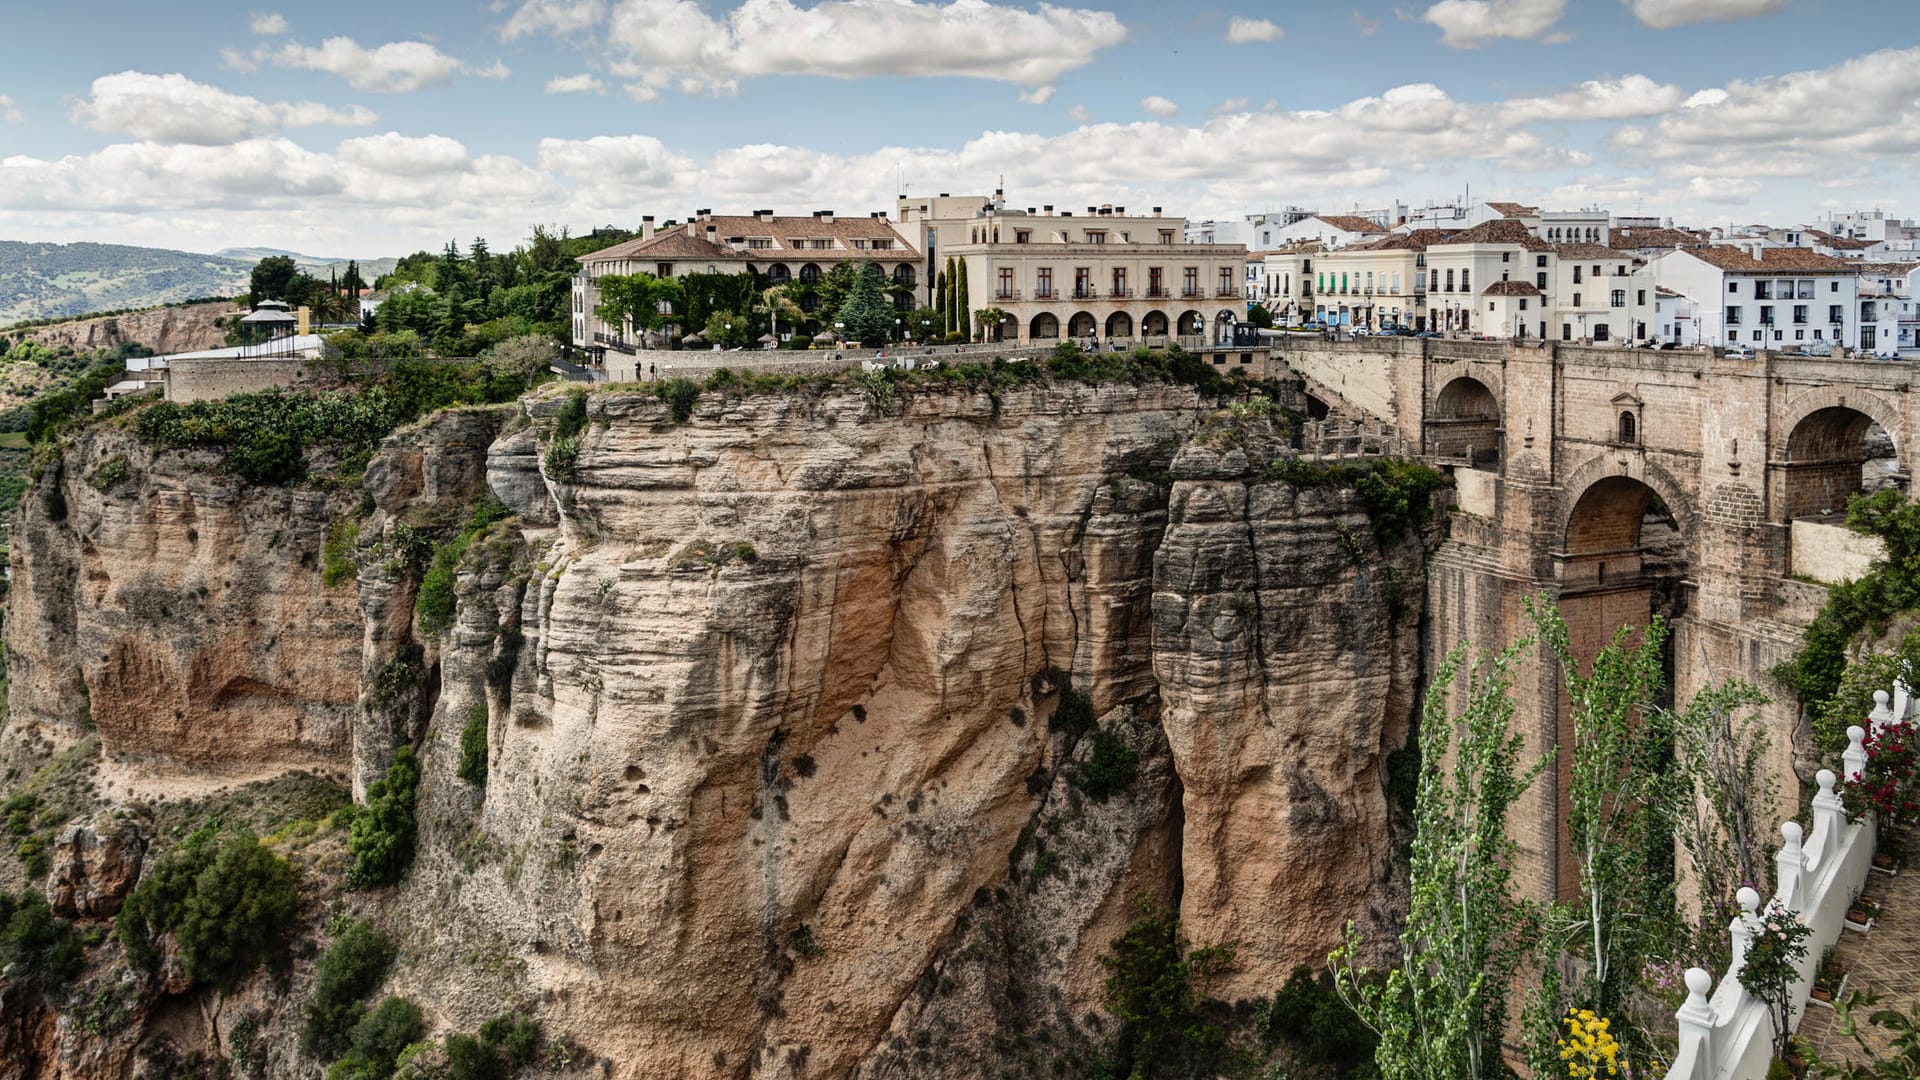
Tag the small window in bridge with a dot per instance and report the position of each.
(1626, 427)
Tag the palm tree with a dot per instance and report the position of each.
(777, 300)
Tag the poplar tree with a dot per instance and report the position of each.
(1614, 796)
(963, 311)
(1441, 1012)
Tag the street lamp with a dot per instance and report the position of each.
(898, 333)
(926, 329)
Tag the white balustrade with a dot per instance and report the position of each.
(1729, 1035)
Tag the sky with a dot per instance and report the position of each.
(363, 129)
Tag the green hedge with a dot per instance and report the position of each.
(1867, 605)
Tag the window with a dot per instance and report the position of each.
(1119, 281)
(1576, 275)
(1449, 280)
(1641, 297)
(1733, 316)
(1596, 271)
(1156, 284)
(1576, 299)
(1082, 282)
(1006, 283)
(1836, 313)
(1806, 290)
(1022, 236)
(1799, 314)
(1600, 332)
(1566, 331)
(1506, 256)
(1343, 282)
(1540, 260)
(1833, 286)
(1464, 287)
(1763, 290)
(1626, 427)
(1619, 298)
(1166, 236)
(1819, 335)
(1043, 283)
(1419, 281)
(1766, 314)
(1096, 236)
(1523, 303)
(878, 244)
(1540, 280)
(1733, 288)
(1226, 281)
(758, 242)
(1190, 280)
(1369, 281)
(1757, 335)
(1799, 335)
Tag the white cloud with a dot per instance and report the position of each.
(176, 109)
(1667, 14)
(1159, 106)
(1231, 105)
(640, 92)
(1600, 99)
(394, 154)
(268, 24)
(1079, 114)
(396, 67)
(677, 43)
(1469, 24)
(1867, 105)
(583, 83)
(496, 70)
(560, 18)
(1364, 26)
(1039, 95)
(10, 112)
(1724, 190)
(1244, 31)
(237, 60)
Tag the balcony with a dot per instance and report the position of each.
(1226, 294)
(610, 341)
(1086, 294)
(1157, 294)
(1191, 294)
(1045, 294)
(1119, 294)
(1007, 294)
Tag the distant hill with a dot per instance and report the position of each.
(42, 281)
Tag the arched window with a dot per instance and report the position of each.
(1627, 432)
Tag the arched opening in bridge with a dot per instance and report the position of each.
(1623, 561)
(1045, 326)
(1832, 455)
(1316, 409)
(1465, 424)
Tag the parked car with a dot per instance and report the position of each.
(1430, 334)
(1740, 352)
(1361, 331)
(1404, 331)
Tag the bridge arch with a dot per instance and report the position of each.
(1464, 423)
(1674, 501)
(1831, 436)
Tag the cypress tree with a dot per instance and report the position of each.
(953, 297)
(940, 299)
(963, 310)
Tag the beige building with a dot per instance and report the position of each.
(1056, 274)
(780, 249)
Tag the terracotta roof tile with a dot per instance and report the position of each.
(1651, 238)
(674, 243)
(1514, 209)
(1500, 231)
(1351, 223)
(1887, 269)
(1585, 251)
(1773, 258)
(1510, 288)
(1413, 240)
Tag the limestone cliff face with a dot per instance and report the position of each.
(181, 611)
(164, 330)
(776, 785)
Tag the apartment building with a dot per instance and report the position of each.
(791, 250)
(1055, 274)
(1378, 284)
(1889, 322)
(1767, 297)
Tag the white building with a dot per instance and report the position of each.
(1786, 298)
(1676, 318)
(1889, 323)
(1331, 230)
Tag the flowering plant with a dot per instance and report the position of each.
(1772, 965)
(1589, 1048)
(1887, 784)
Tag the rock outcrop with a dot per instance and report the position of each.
(788, 708)
(95, 863)
(164, 330)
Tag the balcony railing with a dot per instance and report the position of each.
(1156, 293)
(1045, 294)
(611, 342)
(1191, 294)
(1224, 294)
(1007, 294)
(1086, 294)
(1119, 294)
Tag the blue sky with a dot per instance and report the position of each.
(376, 128)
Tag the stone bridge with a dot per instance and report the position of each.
(1627, 483)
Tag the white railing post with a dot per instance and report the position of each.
(1693, 1058)
(1881, 711)
(1829, 819)
(1790, 867)
(1743, 928)
(1902, 699)
(1853, 763)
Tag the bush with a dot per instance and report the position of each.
(336, 555)
(1074, 714)
(391, 1027)
(434, 602)
(470, 1059)
(473, 747)
(228, 902)
(1867, 605)
(516, 1036)
(1111, 768)
(680, 394)
(1308, 1013)
(563, 457)
(572, 419)
(351, 967)
(35, 945)
(1156, 994)
(382, 838)
(32, 853)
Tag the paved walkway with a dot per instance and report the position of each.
(1885, 960)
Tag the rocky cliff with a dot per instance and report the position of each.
(164, 330)
(790, 708)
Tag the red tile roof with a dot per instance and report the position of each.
(1500, 231)
(1351, 223)
(1585, 251)
(1514, 209)
(1651, 238)
(674, 243)
(1412, 240)
(1773, 258)
(1510, 288)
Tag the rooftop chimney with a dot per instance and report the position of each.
(944, 195)
(763, 215)
(1092, 210)
(711, 229)
(826, 216)
(707, 213)
(1156, 211)
(646, 227)
(1048, 208)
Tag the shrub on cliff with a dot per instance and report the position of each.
(351, 967)
(1156, 994)
(1111, 768)
(382, 839)
(378, 1039)
(35, 945)
(227, 901)
(435, 600)
(1868, 603)
(473, 747)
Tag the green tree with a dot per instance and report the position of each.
(992, 323)
(866, 315)
(1260, 317)
(962, 305)
(349, 970)
(952, 302)
(727, 329)
(272, 279)
(1152, 991)
(925, 323)
(1613, 797)
(638, 299)
(1718, 804)
(833, 289)
(382, 838)
(1441, 1012)
(942, 302)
